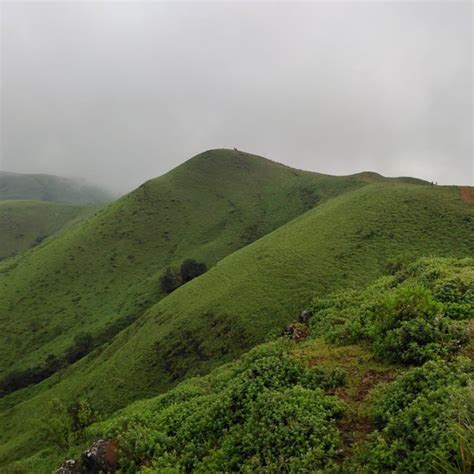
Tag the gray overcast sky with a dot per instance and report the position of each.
(118, 93)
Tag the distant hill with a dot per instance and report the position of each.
(272, 237)
(25, 224)
(44, 187)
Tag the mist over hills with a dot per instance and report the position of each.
(272, 237)
(44, 187)
(24, 224)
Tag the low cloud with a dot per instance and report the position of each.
(118, 93)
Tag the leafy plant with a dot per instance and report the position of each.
(416, 418)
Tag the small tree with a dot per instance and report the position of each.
(170, 280)
(191, 269)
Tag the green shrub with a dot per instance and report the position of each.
(170, 280)
(64, 425)
(266, 413)
(191, 269)
(286, 431)
(405, 321)
(416, 419)
(409, 327)
(457, 297)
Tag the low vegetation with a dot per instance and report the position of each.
(405, 321)
(290, 406)
(175, 387)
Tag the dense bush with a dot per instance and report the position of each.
(191, 269)
(416, 419)
(170, 280)
(409, 327)
(188, 270)
(266, 413)
(408, 318)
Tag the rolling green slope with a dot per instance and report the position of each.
(44, 187)
(327, 400)
(24, 224)
(345, 242)
(107, 268)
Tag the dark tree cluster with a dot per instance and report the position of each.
(188, 270)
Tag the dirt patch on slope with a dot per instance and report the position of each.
(356, 425)
(369, 381)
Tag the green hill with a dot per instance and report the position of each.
(44, 187)
(326, 400)
(24, 224)
(345, 241)
(106, 270)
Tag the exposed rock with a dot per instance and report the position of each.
(100, 457)
(68, 467)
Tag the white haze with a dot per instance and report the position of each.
(118, 93)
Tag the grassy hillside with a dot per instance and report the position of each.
(329, 400)
(44, 187)
(345, 242)
(24, 224)
(107, 268)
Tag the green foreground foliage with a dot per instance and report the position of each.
(273, 412)
(411, 318)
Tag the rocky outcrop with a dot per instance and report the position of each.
(297, 332)
(100, 457)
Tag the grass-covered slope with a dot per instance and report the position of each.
(317, 403)
(107, 268)
(345, 242)
(24, 224)
(44, 187)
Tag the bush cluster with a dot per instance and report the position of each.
(268, 413)
(416, 419)
(173, 278)
(410, 318)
